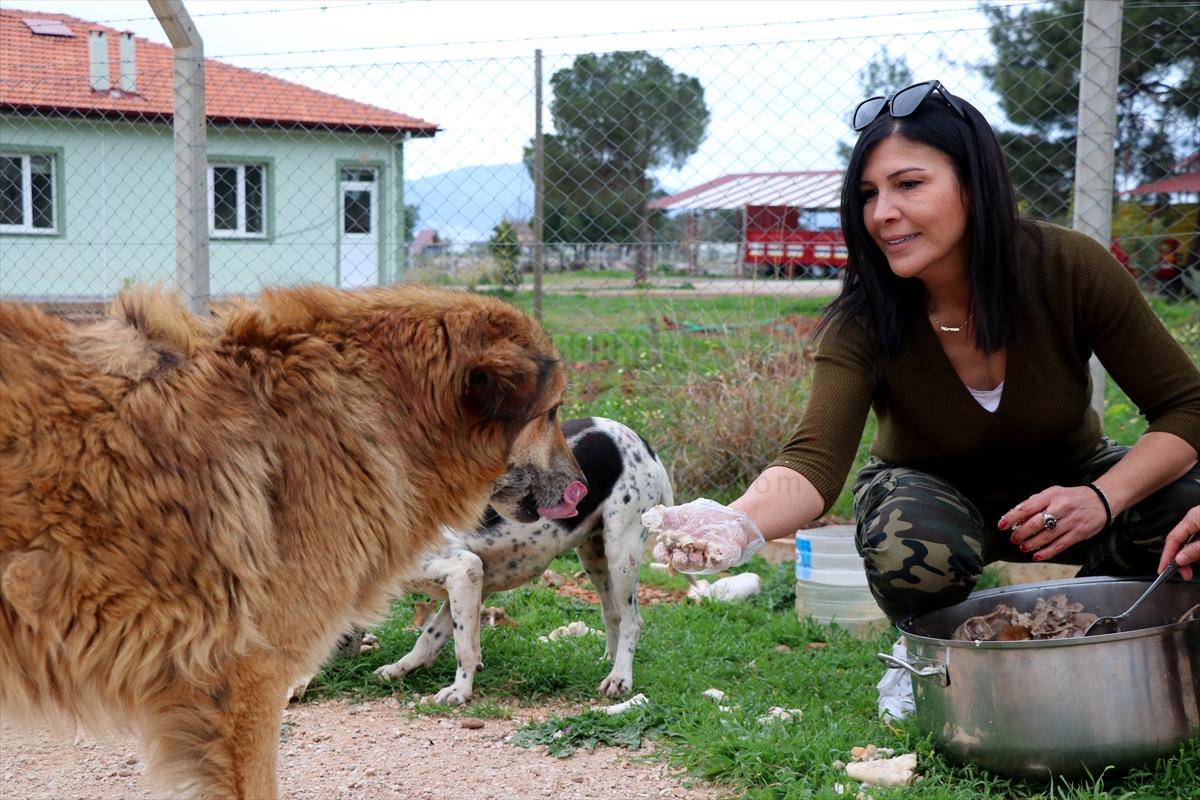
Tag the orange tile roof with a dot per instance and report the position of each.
(50, 74)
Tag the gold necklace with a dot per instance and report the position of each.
(948, 328)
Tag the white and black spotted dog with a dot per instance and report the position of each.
(625, 478)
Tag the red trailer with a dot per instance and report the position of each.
(784, 240)
(789, 219)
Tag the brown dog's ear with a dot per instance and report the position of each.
(503, 383)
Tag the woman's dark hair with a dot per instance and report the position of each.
(872, 293)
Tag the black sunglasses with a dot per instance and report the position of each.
(903, 103)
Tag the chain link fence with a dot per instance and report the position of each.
(366, 173)
(666, 175)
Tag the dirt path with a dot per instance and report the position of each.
(368, 751)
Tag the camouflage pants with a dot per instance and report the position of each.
(924, 543)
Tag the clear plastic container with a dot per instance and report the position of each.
(831, 585)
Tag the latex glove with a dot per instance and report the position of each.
(702, 537)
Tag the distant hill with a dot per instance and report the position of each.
(465, 204)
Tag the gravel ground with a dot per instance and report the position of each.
(373, 750)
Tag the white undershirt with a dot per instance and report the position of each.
(988, 398)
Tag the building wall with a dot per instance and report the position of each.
(117, 218)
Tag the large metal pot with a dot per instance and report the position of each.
(1068, 707)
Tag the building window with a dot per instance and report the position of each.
(27, 194)
(237, 200)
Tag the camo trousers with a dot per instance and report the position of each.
(924, 543)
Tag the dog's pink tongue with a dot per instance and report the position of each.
(571, 497)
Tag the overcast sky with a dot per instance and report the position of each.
(779, 76)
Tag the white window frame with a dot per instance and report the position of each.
(240, 232)
(27, 225)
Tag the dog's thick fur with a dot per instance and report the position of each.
(192, 511)
(625, 478)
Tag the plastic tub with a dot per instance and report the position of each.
(831, 585)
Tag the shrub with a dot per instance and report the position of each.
(506, 251)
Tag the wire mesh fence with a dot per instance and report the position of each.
(365, 173)
(671, 177)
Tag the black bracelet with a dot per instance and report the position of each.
(1104, 500)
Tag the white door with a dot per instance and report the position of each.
(360, 228)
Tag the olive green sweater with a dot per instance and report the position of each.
(1076, 300)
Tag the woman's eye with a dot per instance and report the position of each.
(868, 194)
(909, 184)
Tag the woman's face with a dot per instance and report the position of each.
(915, 210)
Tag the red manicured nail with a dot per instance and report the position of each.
(1003, 524)
(1038, 556)
(1014, 539)
(1025, 548)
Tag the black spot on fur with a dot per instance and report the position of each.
(600, 461)
(576, 426)
(649, 449)
(490, 518)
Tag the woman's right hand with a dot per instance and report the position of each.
(1174, 548)
(702, 537)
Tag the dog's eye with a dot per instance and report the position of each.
(553, 414)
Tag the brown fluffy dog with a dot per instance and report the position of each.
(192, 511)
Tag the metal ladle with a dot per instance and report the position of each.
(1107, 624)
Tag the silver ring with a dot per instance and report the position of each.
(1049, 521)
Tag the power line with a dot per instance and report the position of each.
(941, 12)
(290, 9)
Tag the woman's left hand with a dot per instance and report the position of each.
(1053, 520)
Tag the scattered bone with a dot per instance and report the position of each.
(816, 645)
(870, 753)
(473, 723)
(577, 628)
(898, 771)
(782, 648)
(638, 699)
(657, 567)
(1054, 617)
(552, 578)
(715, 694)
(778, 714)
(370, 643)
(730, 589)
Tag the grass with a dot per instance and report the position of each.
(687, 648)
(716, 387)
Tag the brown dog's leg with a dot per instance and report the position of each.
(254, 713)
(221, 744)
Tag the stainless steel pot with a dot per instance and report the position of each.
(1068, 707)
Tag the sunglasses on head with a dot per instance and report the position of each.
(903, 103)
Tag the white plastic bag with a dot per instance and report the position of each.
(702, 537)
(895, 688)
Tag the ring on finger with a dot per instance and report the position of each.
(1049, 521)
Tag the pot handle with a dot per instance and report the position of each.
(935, 671)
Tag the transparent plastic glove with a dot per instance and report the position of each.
(702, 537)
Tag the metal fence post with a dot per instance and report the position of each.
(539, 195)
(191, 153)
(1100, 61)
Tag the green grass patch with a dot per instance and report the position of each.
(688, 648)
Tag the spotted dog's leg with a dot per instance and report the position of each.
(465, 588)
(612, 563)
(460, 576)
(433, 637)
